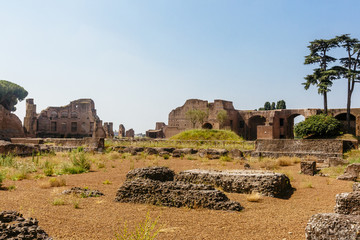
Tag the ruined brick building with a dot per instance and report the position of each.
(250, 124)
(77, 119)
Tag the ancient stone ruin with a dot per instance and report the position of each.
(10, 125)
(109, 131)
(78, 119)
(343, 224)
(250, 124)
(154, 185)
(121, 131)
(130, 133)
(241, 181)
(351, 172)
(13, 226)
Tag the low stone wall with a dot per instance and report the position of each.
(18, 149)
(348, 203)
(241, 181)
(27, 140)
(180, 152)
(63, 144)
(154, 186)
(320, 148)
(13, 226)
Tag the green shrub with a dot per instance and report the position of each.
(320, 126)
(68, 169)
(7, 161)
(48, 168)
(80, 160)
(2, 177)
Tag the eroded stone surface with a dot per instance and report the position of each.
(332, 226)
(356, 186)
(348, 203)
(241, 181)
(154, 173)
(17, 149)
(174, 194)
(308, 167)
(13, 226)
(351, 172)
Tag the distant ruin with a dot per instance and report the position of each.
(250, 124)
(77, 119)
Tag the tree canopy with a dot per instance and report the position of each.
(322, 77)
(318, 126)
(272, 106)
(10, 94)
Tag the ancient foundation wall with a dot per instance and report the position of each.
(320, 148)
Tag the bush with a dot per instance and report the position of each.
(80, 160)
(321, 126)
(2, 177)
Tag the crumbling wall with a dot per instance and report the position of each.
(77, 119)
(10, 125)
(320, 148)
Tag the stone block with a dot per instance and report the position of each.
(174, 194)
(241, 181)
(336, 161)
(351, 173)
(348, 203)
(308, 167)
(154, 173)
(332, 226)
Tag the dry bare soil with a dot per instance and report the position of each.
(101, 217)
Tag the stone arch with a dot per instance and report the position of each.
(254, 122)
(54, 114)
(342, 118)
(207, 126)
(291, 124)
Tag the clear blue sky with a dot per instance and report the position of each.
(139, 59)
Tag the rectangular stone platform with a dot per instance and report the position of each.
(241, 181)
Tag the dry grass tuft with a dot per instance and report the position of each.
(53, 182)
(287, 161)
(254, 197)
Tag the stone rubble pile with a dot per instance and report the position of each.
(83, 192)
(241, 181)
(13, 226)
(344, 224)
(154, 185)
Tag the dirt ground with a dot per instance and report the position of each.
(101, 217)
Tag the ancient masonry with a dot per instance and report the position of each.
(78, 119)
(343, 224)
(250, 124)
(156, 185)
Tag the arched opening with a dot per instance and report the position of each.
(292, 121)
(254, 122)
(207, 126)
(342, 118)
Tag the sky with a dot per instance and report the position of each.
(139, 59)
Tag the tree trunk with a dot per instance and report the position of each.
(348, 106)
(325, 103)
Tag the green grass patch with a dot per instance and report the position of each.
(207, 134)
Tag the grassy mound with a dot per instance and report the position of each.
(207, 134)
